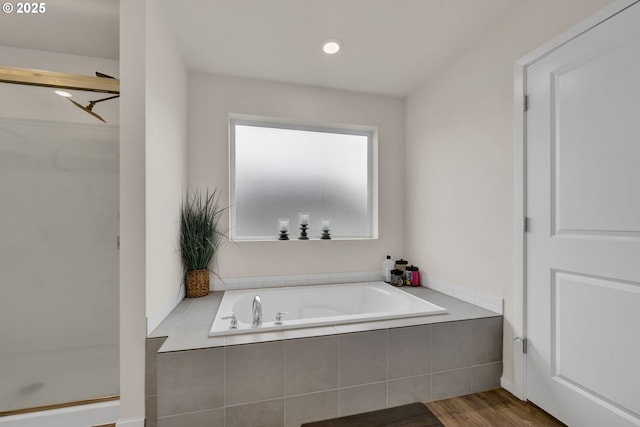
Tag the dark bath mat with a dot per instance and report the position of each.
(412, 415)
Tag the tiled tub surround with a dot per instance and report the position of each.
(290, 377)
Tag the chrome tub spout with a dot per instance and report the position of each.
(257, 312)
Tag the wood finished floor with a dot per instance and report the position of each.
(496, 408)
(491, 409)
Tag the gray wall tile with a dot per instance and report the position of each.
(451, 345)
(310, 407)
(261, 414)
(355, 400)
(152, 346)
(363, 358)
(451, 383)
(420, 363)
(409, 390)
(486, 377)
(487, 340)
(212, 418)
(254, 372)
(190, 381)
(151, 411)
(310, 364)
(409, 351)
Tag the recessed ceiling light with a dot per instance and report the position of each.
(62, 93)
(331, 46)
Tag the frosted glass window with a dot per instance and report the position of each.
(279, 170)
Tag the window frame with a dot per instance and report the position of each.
(371, 132)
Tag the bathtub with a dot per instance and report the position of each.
(308, 306)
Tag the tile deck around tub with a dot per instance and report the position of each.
(187, 327)
(286, 378)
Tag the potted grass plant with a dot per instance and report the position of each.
(200, 238)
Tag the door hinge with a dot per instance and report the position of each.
(526, 224)
(118, 242)
(524, 343)
(525, 103)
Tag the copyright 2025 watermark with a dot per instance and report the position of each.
(24, 8)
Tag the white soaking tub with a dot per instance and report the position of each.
(308, 306)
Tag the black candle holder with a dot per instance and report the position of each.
(326, 235)
(283, 228)
(303, 232)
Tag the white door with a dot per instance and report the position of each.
(583, 244)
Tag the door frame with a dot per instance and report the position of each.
(519, 387)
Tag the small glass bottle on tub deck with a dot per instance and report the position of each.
(407, 275)
(387, 266)
(412, 276)
(397, 277)
(415, 276)
(401, 264)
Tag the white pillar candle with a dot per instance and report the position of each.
(283, 225)
(304, 219)
(325, 224)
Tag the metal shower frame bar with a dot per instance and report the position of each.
(59, 80)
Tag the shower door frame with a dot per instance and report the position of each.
(53, 79)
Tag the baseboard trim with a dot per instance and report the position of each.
(234, 283)
(131, 423)
(159, 314)
(508, 385)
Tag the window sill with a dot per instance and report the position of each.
(311, 239)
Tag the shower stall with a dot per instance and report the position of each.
(59, 201)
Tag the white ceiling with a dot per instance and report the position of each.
(389, 46)
(76, 27)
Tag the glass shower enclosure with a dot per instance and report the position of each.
(59, 202)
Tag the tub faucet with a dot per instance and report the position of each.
(257, 312)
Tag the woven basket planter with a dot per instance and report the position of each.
(197, 283)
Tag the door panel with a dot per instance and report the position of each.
(590, 137)
(584, 312)
(583, 246)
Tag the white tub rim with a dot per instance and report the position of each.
(268, 325)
